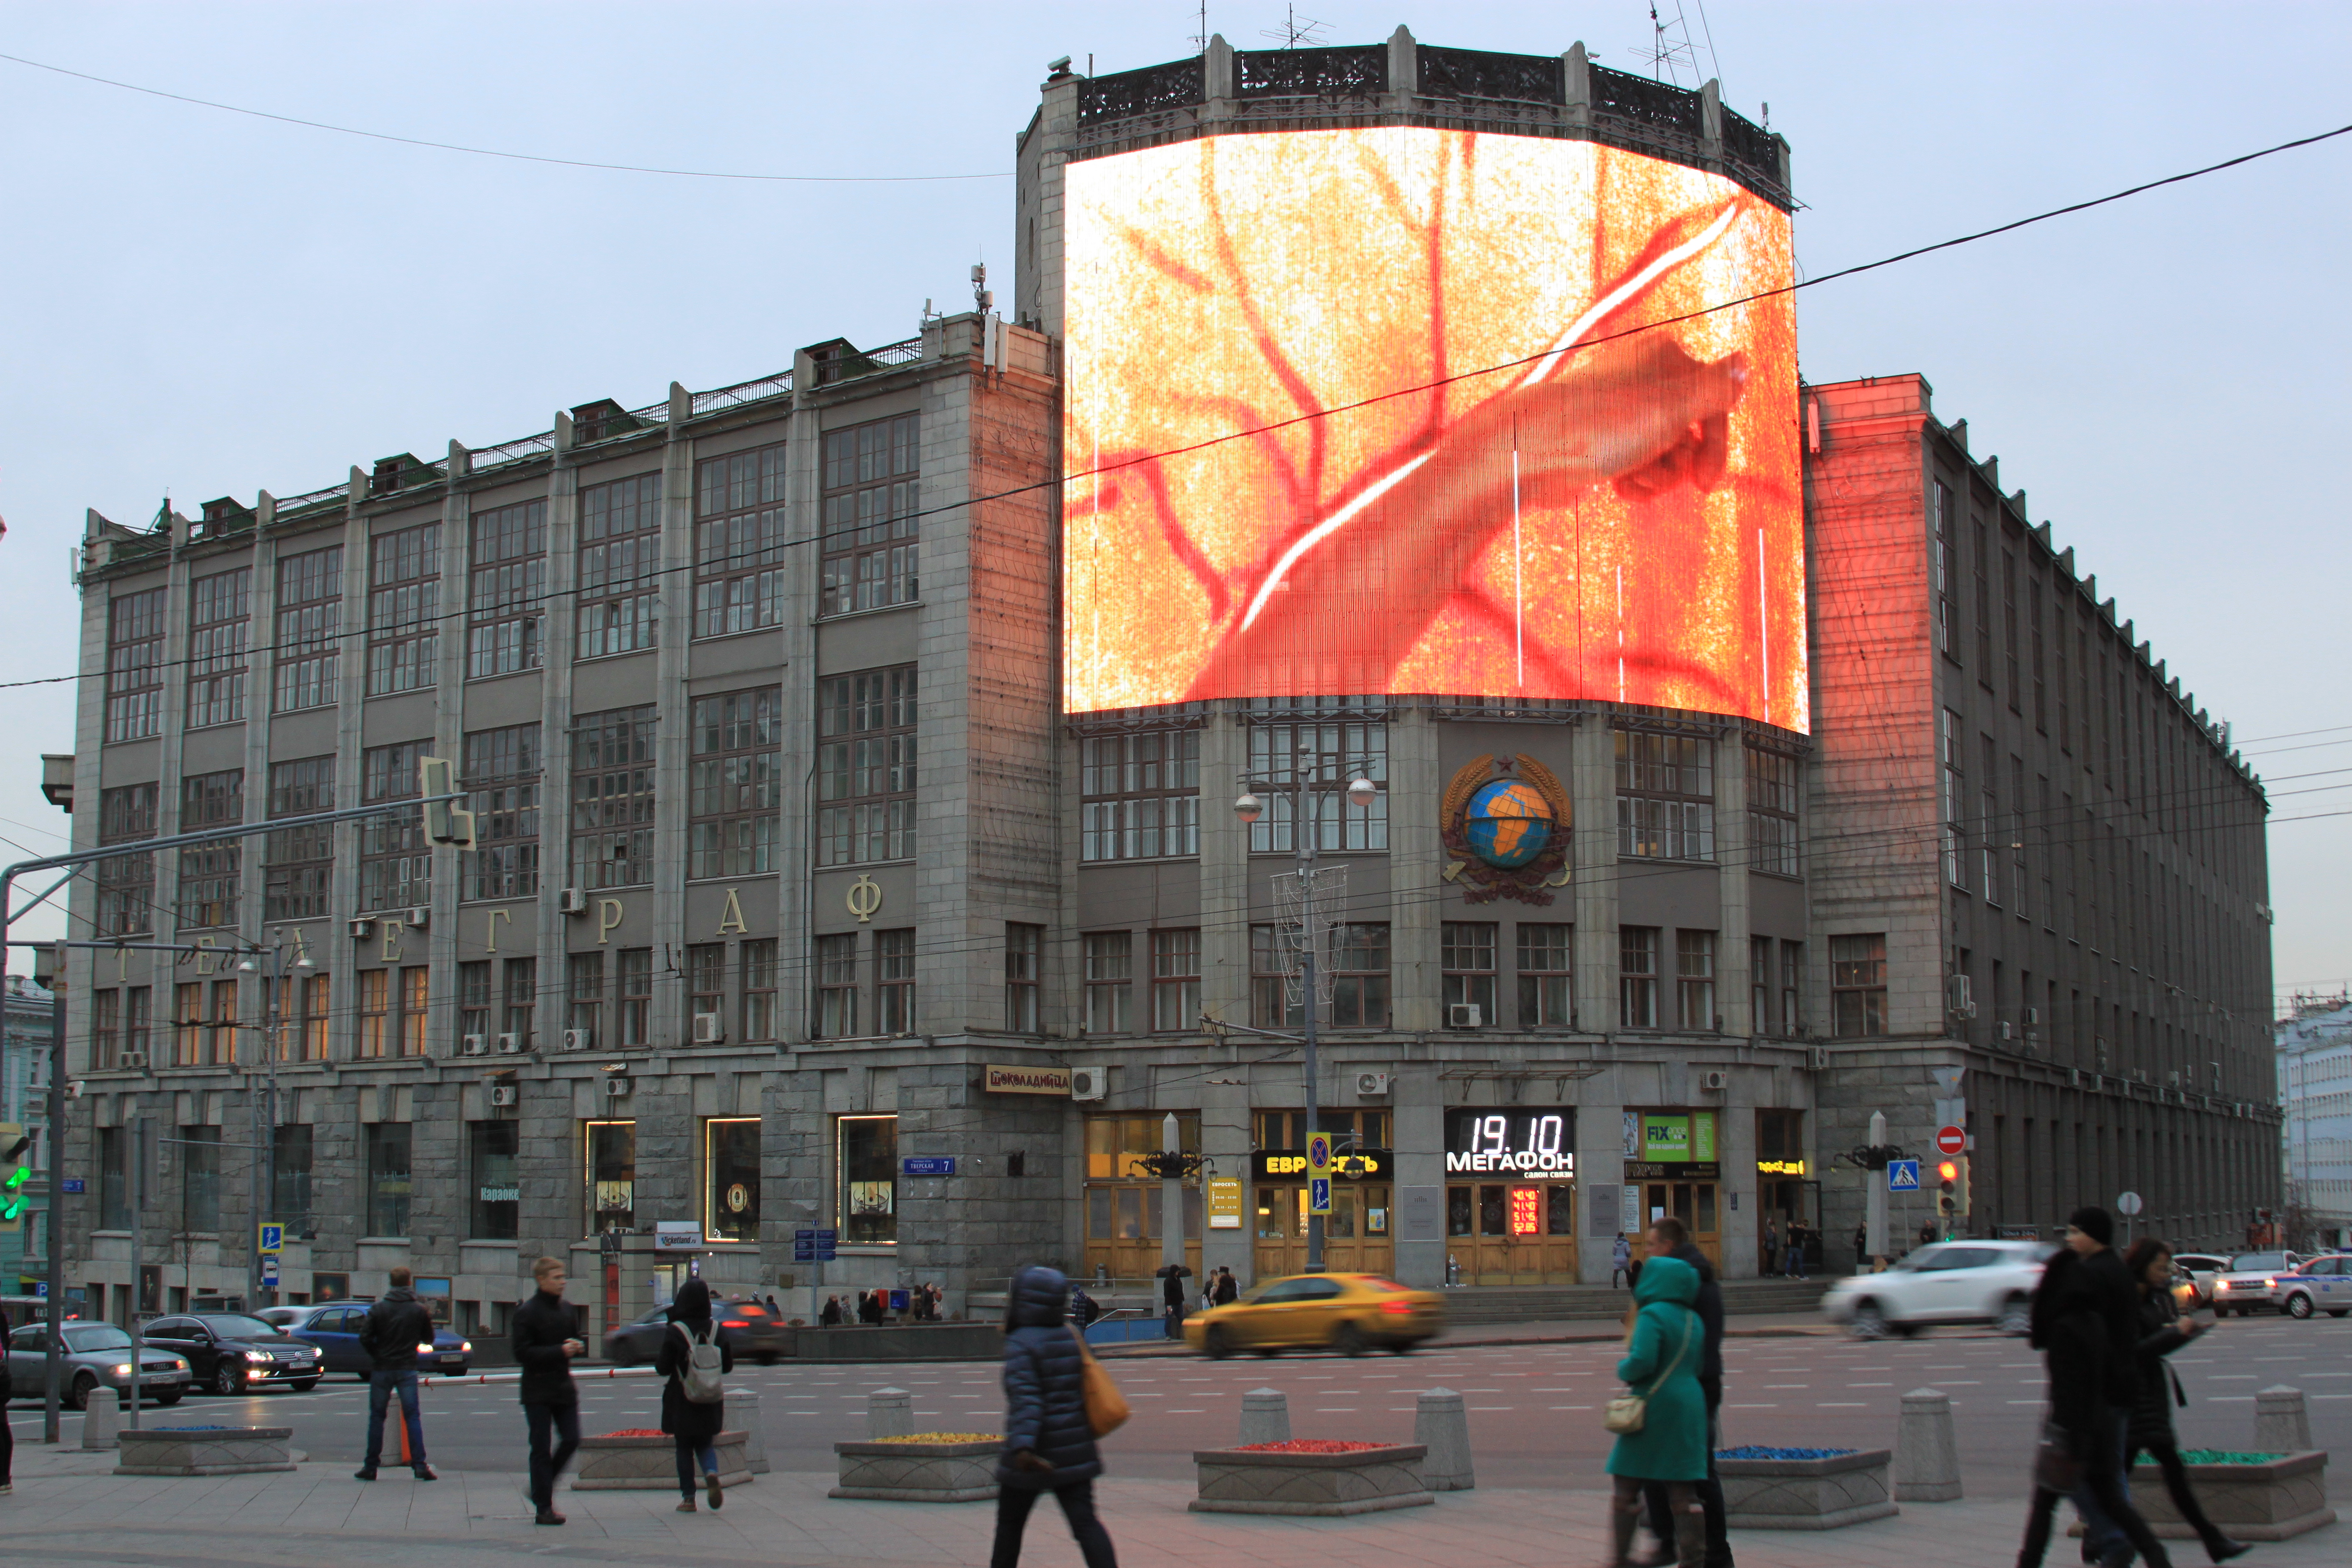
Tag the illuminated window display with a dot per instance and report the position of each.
(1428, 332)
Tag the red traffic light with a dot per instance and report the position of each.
(1949, 1171)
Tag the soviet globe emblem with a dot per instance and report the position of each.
(1508, 824)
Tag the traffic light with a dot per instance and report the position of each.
(1947, 1186)
(443, 822)
(14, 1171)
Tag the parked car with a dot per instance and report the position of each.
(95, 1354)
(334, 1328)
(1349, 1313)
(231, 1352)
(2250, 1283)
(2201, 1268)
(2322, 1285)
(748, 1328)
(1947, 1282)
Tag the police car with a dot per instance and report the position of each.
(2320, 1285)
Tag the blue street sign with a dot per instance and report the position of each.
(273, 1238)
(1318, 1194)
(928, 1165)
(1902, 1175)
(814, 1246)
(74, 1185)
(41, 1289)
(269, 1271)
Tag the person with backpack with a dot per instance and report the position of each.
(1049, 1443)
(395, 1327)
(693, 1364)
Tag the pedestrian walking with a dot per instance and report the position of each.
(1861, 1248)
(1621, 1261)
(779, 1312)
(831, 1317)
(396, 1326)
(2088, 1334)
(1927, 1234)
(869, 1308)
(1771, 1243)
(1048, 1443)
(2164, 1329)
(8, 1437)
(1796, 1263)
(692, 1360)
(1662, 1353)
(1669, 1238)
(1228, 1288)
(1172, 1297)
(545, 1348)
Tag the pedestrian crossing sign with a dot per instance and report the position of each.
(1902, 1175)
(1318, 1194)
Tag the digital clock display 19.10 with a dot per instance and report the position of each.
(1521, 1145)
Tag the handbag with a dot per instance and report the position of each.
(1106, 1409)
(1629, 1410)
(2055, 1468)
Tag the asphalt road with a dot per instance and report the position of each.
(1534, 1409)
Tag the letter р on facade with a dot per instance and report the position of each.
(837, 763)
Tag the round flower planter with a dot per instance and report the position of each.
(1309, 1479)
(945, 1466)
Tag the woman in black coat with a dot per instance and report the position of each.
(693, 1424)
(1047, 1441)
(2163, 1329)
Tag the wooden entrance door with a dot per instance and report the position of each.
(1696, 1205)
(1357, 1236)
(1503, 1233)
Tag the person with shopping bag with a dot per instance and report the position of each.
(1049, 1431)
(1661, 1422)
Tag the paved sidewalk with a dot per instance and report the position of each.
(66, 1508)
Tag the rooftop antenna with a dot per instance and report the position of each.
(1670, 46)
(981, 298)
(1201, 38)
(1296, 30)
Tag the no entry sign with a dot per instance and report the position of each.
(1951, 1141)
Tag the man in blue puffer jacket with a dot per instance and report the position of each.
(1047, 1443)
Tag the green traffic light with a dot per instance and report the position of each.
(17, 1178)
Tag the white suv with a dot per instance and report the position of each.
(1950, 1282)
(2249, 1284)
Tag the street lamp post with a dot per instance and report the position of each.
(1303, 836)
(270, 962)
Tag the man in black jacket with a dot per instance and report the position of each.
(1669, 1238)
(395, 1327)
(544, 1346)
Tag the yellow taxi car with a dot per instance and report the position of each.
(1349, 1313)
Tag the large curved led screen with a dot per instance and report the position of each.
(1398, 410)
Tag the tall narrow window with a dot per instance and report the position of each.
(1272, 965)
(493, 1150)
(415, 1008)
(2009, 639)
(375, 1011)
(867, 1160)
(620, 565)
(290, 1163)
(473, 1001)
(301, 866)
(730, 1167)
(200, 1178)
(522, 1000)
(1760, 1020)
(2013, 834)
(209, 872)
(612, 798)
(836, 986)
(1110, 981)
(395, 860)
(505, 581)
(502, 771)
(894, 981)
(310, 627)
(1946, 567)
(1175, 979)
(1025, 960)
(1637, 977)
(1694, 979)
(139, 1019)
(733, 782)
(1792, 987)
(403, 609)
(1773, 780)
(1858, 985)
(1665, 795)
(612, 1172)
(1989, 825)
(635, 994)
(740, 534)
(705, 987)
(583, 1010)
(1467, 955)
(220, 1036)
(865, 767)
(1984, 604)
(1336, 752)
(134, 664)
(388, 1178)
(1955, 795)
(2040, 655)
(1359, 976)
(188, 1024)
(1546, 976)
(1142, 795)
(2058, 640)
(870, 554)
(220, 625)
(759, 958)
(105, 1027)
(126, 883)
(313, 995)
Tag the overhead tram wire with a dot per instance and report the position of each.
(498, 152)
(1074, 476)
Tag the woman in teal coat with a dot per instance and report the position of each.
(1661, 1361)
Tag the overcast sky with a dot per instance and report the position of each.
(209, 304)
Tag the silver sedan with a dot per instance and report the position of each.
(95, 1354)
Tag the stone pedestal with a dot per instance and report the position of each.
(102, 1420)
(1442, 1425)
(1927, 1454)
(1265, 1416)
(917, 1472)
(2282, 1425)
(1806, 1494)
(204, 1451)
(742, 1415)
(889, 1413)
(648, 1464)
(1368, 1480)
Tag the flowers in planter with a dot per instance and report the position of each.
(1754, 1451)
(1309, 1445)
(636, 1432)
(944, 1437)
(2224, 1457)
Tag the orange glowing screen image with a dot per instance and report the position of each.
(1371, 412)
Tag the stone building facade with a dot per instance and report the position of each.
(802, 919)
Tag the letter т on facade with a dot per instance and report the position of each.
(455, 826)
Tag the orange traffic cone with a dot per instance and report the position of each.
(400, 1418)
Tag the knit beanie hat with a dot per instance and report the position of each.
(2096, 1224)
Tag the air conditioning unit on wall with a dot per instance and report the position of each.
(1368, 1084)
(710, 1030)
(579, 1039)
(361, 929)
(474, 1046)
(136, 1059)
(1464, 1016)
(615, 1085)
(1960, 999)
(509, 1045)
(1716, 1080)
(505, 1094)
(1089, 1083)
(571, 901)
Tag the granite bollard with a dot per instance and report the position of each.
(1265, 1416)
(1441, 1425)
(1926, 1453)
(889, 1413)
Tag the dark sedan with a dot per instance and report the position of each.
(748, 1328)
(232, 1353)
(335, 1330)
